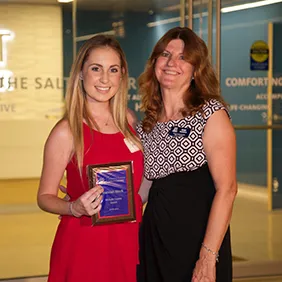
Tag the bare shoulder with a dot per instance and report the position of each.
(131, 117)
(61, 135)
(219, 118)
(219, 128)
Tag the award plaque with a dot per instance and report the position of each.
(118, 196)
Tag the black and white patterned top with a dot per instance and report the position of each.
(165, 154)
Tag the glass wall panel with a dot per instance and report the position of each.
(137, 25)
(245, 82)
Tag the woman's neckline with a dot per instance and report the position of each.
(99, 132)
(171, 120)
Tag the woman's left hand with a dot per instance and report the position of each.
(205, 269)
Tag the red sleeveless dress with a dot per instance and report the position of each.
(107, 253)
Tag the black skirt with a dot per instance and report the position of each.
(173, 228)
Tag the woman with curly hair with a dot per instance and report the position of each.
(190, 164)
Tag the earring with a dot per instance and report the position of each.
(80, 76)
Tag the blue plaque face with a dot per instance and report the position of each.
(115, 196)
(118, 196)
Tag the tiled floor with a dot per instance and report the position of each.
(28, 233)
(265, 279)
(35, 279)
(256, 233)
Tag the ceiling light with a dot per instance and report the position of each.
(64, 1)
(249, 5)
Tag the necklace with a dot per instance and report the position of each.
(107, 122)
(102, 123)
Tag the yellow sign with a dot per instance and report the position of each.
(259, 55)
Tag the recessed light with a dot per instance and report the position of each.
(64, 1)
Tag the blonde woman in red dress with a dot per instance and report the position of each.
(93, 131)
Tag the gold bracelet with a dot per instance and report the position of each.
(211, 251)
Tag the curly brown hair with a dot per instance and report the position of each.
(203, 87)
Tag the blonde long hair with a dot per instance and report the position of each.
(76, 103)
(203, 87)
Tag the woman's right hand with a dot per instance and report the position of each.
(89, 203)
